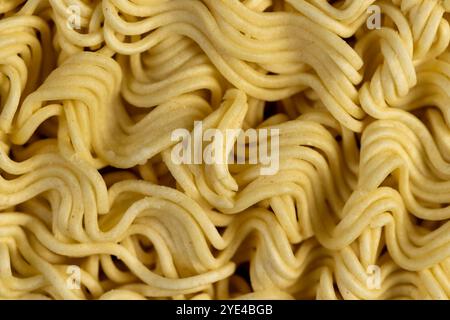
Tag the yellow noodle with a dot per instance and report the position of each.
(94, 205)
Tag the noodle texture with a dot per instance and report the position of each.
(224, 149)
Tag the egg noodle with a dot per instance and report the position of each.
(93, 205)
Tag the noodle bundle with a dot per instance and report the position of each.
(354, 119)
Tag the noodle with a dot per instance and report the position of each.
(328, 141)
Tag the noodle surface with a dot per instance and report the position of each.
(93, 204)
